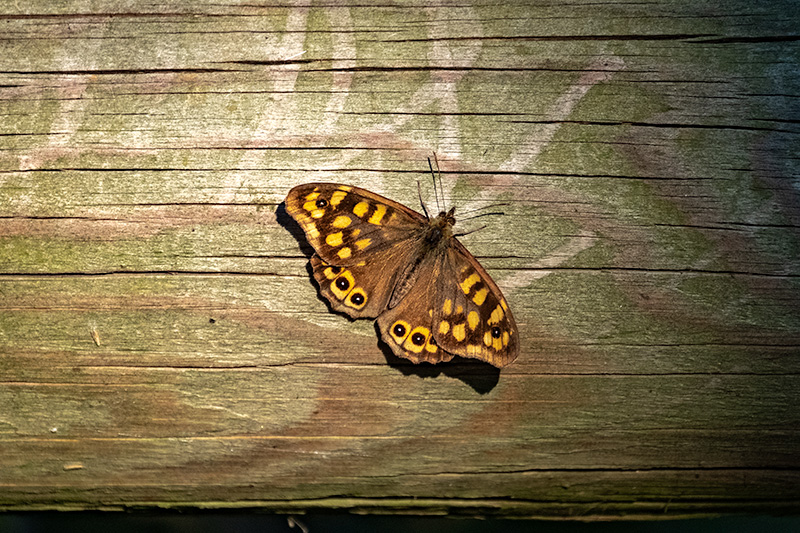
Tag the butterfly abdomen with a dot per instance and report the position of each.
(406, 280)
(434, 240)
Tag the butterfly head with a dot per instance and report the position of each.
(440, 229)
(445, 218)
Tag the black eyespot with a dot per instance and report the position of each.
(418, 339)
(342, 284)
(322, 202)
(496, 332)
(357, 298)
(399, 330)
(336, 270)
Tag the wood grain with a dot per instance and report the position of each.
(162, 344)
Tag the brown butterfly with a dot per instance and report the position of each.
(378, 258)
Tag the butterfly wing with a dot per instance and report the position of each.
(360, 290)
(462, 312)
(407, 328)
(347, 224)
(472, 317)
(361, 239)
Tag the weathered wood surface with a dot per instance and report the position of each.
(161, 343)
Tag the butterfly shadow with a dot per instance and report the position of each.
(284, 219)
(482, 377)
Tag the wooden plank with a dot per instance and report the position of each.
(162, 344)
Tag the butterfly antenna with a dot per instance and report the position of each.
(433, 176)
(424, 209)
(490, 206)
(441, 185)
(464, 219)
(470, 231)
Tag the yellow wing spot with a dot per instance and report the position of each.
(497, 344)
(317, 213)
(480, 296)
(444, 327)
(341, 222)
(337, 197)
(473, 319)
(363, 243)
(360, 209)
(334, 239)
(471, 280)
(344, 253)
(345, 188)
(497, 315)
(459, 333)
(447, 308)
(459, 309)
(310, 206)
(355, 233)
(505, 338)
(417, 339)
(487, 338)
(503, 303)
(329, 273)
(376, 217)
(312, 230)
(430, 346)
(311, 197)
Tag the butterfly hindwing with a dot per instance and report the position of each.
(356, 289)
(453, 308)
(407, 328)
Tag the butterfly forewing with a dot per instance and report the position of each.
(361, 241)
(472, 318)
(345, 224)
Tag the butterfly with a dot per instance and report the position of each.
(375, 257)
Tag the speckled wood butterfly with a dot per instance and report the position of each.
(377, 258)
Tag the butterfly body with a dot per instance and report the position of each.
(377, 258)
